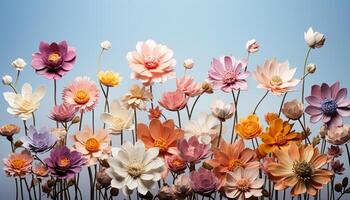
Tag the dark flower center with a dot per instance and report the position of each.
(329, 106)
(229, 77)
(303, 170)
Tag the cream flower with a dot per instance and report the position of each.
(188, 63)
(314, 39)
(19, 64)
(106, 45)
(221, 110)
(137, 97)
(7, 80)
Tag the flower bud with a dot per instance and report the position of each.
(19, 64)
(207, 87)
(252, 46)
(7, 80)
(106, 45)
(75, 120)
(188, 63)
(114, 191)
(311, 68)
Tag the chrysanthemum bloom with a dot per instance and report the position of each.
(334, 151)
(228, 157)
(132, 166)
(176, 164)
(63, 113)
(221, 110)
(118, 119)
(137, 97)
(328, 103)
(23, 105)
(38, 141)
(243, 184)
(338, 135)
(293, 109)
(189, 86)
(249, 127)
(300, 169)
(314, 39)
(337, 167)
(9, 130)
(18, 164)
(192, 151)
(92, 146)
(53, 60)
(203, 181)
(64, 163)
(227, 74)
(40, 170)
(276, 77)
(252, 46)
(154, 113)
(270, 117)
(82, 93)
(109, 78)
(151, 63)
(182, 187)
(165, 193)
(173, 101)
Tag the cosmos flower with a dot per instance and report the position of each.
(203, 181)
(109, 78)
(249, 128)
(192, 151)
(137, 97)
(18, 164)
(38, 141)
(221, 110)
(189, 86)
(314, 39)
(173, 101)
(63, 113)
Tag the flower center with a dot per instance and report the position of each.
(151, 62)
(303, 170)
(17, 163)
(81, 97)
(177, 162)
(54, 57)
(64, 162)
(276, 80)
(243, 185)
(135, 169)
(118, 123)
(229, 77)
(281, 140)
(161, 144)
(92, 144)
(329, 106)
(233, 163)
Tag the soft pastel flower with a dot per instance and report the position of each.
(203, 181)
(207, 87)
(323, 130)
(270, 117)
(176, 164)
(192, 151)
(249, 128)
(165, 193)
(221, 110)
(328, 103)
(132, 166)
(18, 164)
(300, 169)
(137, 97)
(18, 64)
(109, 78)
(173, 101)
(53, 60)
(82, 93)
(103, 179)
(311, 68)
(59, 133)
(188, 63)
(264, 165)
(252, 46)
(6, 80)
(314, 39)
(226, 74)
(151, 63)
(106, 45)
(38, 141)
(337, 167)
(276, 77)
(154, 113)
(63, 113)
(334, 151)
(338, 135)
(23, 105)
(293, 109)
(9, 130)
(40, 170)
(189, 86)
(182, 187)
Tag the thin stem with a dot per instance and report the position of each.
(121, 137)
(93, 120)
(33, 118)
(348, 152)
(194, 104)
(151, 90)
(25, 127)
(135, 115)
(21, 185)
(303, 81)
(13, 88)
(81, 120)
(179, 118)
(220, 133)
(99, 60)
(17, 77)
(283, 99)
(257, 105)
(235, 118)
(16, 188)
(28, 190)
(91, 184)
(302, 126)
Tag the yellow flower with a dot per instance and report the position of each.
(109, 78)
(249, 127)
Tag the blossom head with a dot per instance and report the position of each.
(165, 193)
(338, 135)
(18, 164)
(270, 117)
(314, 39)
(106, 45)
(109, 78)
(137, 97)
(293, 109)
(334, 151)
(252, 46)
(249, 127)
(192, 151)
(19, 64)
(38, 141)
(103, 179)
(182, 187)
(188, 63)
(154, 113)
(337, 167)
(7, 80)
(9, 130)
(189, 86)
(63, 113)
(221, 110)
(203, 181)
(173, 101)
(176, 164)
(40, 170)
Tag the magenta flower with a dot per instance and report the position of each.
(226, 74)
(328, 103)
(63, 113)
(192, 151)
(204, 181)
(53, 60)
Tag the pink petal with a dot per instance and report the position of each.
(341, 95)
(314, 101)
(344, 103)
(228, 63)
(337, 120)
(316, 91)
(70, 54)
(312, 110)
(325, 91)
(326, 118)
(344, 112)
(334, 89)
(67, 66)
(316, 118)
(217, 65)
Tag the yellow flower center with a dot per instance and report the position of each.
(233, 163)
(135, 169)
(276, 80)
(303, 170)
(92, 145)
(64, 162)
(54, 57)
(243, 185)
(81, 97)
(161, 144)
(17, 163)
(281, 140)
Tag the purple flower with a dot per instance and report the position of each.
(53, 60)
(226, 74)
(64, 163)
(38, 141)
(334, 151)
(337, 167)
(328, 103)
(203, 181)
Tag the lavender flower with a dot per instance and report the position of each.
(38, 141)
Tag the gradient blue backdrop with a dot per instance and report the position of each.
(197, 29)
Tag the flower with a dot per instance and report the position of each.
(53, 60)
(328, 103)
(192, 151)
(226, 74)
(300, 169)
(151, 63)
(23, 105)
(203, 181)
(189, 86)
(40, 170)
(63, 113)
(176, 164)
(92, 146)
(311, 68)
(59, 133)
(249, 127)
(18, 164)
(188, 63)
(103, 179)
(64, 163)
(276, 77)
(264, 165)
(334, 151)
(338, 135)
(337, 167)
(106, 45)
(132, 166)
(182, 187)
(18, 64)
(252, 46)
(166, 193)
(173, 101)
(38, 141)
(207, 87)
(314, 39)
(293, 109)
(118, 119)
(154, 113)
(82, 93)
(243, 184)
(109, 78)
(270, 117)
(137, 97)
(9, 130)
(221, 110)
(7, 80)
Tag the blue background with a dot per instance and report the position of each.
(193, 29)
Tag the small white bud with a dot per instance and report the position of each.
(188, 63)
(311, 68)
(7, 80)
(19, 64)
(106, 45)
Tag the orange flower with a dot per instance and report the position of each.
(300, 169)
(270, 116)
(249, 127)
(154, 113)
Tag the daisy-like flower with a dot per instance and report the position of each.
(151, 63)
(227, 74)
(18, 164)
(132, 166)
(23, 105)
(189, 86)
(276, 77)
(109, 78)
(221, 110)
(328, 103)
(300, 168)
(137, 97)
(118, 119)
(38, 141)
(92, 146)
(82, 93)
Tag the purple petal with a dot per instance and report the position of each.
(344, 103)
(70, 56)
(313, 110)
(314, 101)
(334, 89)
(67, 66)
(344, 111)
(44, 47)
(316, 118)
(37, 61)
(325, 91)
(337, 120)
(316, 91)
(326, 118)
(341, 95)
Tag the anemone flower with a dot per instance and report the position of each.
(38, 141)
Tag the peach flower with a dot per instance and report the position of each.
(18, 164)
(173, 101)
(338, 135)
(137, 97)
(293, 109)
(249, 127)
(154, 113)
(189, 86)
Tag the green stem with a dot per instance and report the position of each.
(220, 133)
(304, 129)
(194, 104)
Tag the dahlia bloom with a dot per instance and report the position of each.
(226, 74)
(109, 78)
(9, 130)
(82, 93)
(63, 113)
(221, 110)
(189, 86)
(151, 63)
(276, 77)
(182, 187)
(252, 46)
(338, 135)
(176, 164)
(328, 103)
(137, 97)
(18, 164)
(314, 39)
(154, 113)
(192, 151)
(203, 181)
(53, 60)
(38, 141)
(249, 128)
(173, 101)
(293, 109)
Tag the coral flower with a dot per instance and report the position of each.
(151, 63)
(173, 101)
(40, 170)
(137, 97)
(154, 113)
(300, 169)
(276, 77)
(189, 86)
(203, 181)
(226, 74)
(63, 113)
(109, 78)
(82, 93)
(18, 164)
(192, 151)
(176, 164)
(249, 127)
(53, 60)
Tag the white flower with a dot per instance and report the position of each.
(19, 64)
(314, 39)
(106, 45)
(252, 46)
(311, 68)
(188, 63)
(23, 105)
(134, 167)
(118, 119)
(221, 110)
(7, 80)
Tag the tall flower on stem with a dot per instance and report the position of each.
(109, 78)
(63, 113)
(192, 151)
(249, 128)
(173, 101)
(137, 97)
(18, 164)
(189, 86)
(38, 141)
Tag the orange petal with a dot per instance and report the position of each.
(299, 188)
(156, 129)
(293, 152)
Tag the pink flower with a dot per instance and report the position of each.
(192, 151)
(173, 101)
(338, 135)
(18, 164)
(204, 181)
(189, 86)
(252, 46)
(226, 74)
(334, 151)
(176, 164)
(151, 63)
(63, 113)
(82, 93)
